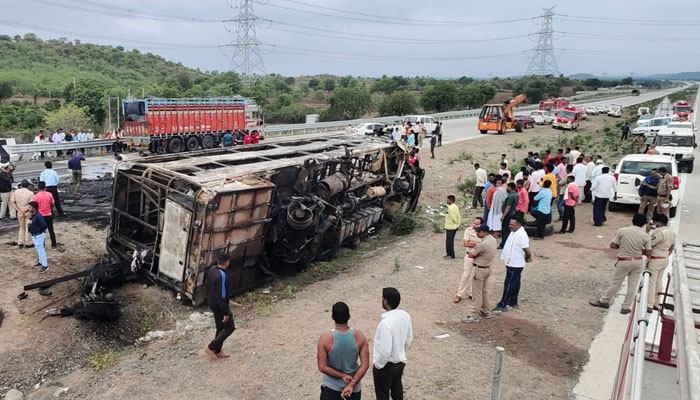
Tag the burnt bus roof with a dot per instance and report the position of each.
(211, 168)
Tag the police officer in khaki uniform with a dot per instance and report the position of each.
(482, 256)
(663, 241)
(631, 242)
(664, 192)
(638, 144)
(471, 239)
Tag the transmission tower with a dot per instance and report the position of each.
(543, 61)
(246, 58)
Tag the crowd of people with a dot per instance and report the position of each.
(58, 136)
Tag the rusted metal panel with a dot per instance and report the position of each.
(173, 251)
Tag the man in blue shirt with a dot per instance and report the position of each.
(217, 297)
(648, 194)
(489, 183)
(37, 227)
(543, 211)
(227, 139)
(50, 178)
(74, 164)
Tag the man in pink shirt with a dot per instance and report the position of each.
(45, 201)
(571, 196)
(523, 199)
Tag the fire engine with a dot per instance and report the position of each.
(682, 109)
(569, 118)
(553, 104)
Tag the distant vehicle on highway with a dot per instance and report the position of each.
(569, 118)
(615, 110)
(591, 110)
(631, 172)
(682, 109)
(526, 120)
(642, 111)
(601, 108)
(428, 121)
(542, 117)
(369, 128)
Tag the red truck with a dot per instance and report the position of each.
(175, 125)
(682, 109)
(553, 104)
(568, 118)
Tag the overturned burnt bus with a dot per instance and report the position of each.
(273, 207)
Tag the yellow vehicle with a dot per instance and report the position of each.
(499, 117)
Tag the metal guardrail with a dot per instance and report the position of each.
(72, 145)
(687, 335)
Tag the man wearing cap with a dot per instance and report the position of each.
(37, 226)
(663, 190)
(631, 242)
(482, 256)
(648, 194)
(20, 202)
(471, 239)
(663, 240)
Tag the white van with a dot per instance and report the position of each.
(428, 121)
(677, 139)
(632, 170)
(542, 117)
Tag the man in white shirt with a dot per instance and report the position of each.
(579, 172)
(576, 153)
(603, 189)
(535, 179)
(394, 334)
(481, 177)
(590, 166)
(504, 160)
(516, 252)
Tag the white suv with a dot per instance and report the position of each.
(428, 121)
(677, 139)
(542, 117)
(633, 169)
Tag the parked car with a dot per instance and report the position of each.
(615, 110)
(641, 128)
(644, 118)
(657, 123)
(632, 170)
(542, 117)
(591, 110)
(601, 108)
(642, 111)
(428, 121)
(677, 139)
(526, 120)
(369, 128)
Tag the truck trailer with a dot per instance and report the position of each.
(273, 207)
(175, 125)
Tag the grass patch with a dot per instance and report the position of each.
(518, 144)
(437, 227)
(289, 291)
(403, 223)
(467, 186)
(101, 361)
(463, 156)
(397, 264)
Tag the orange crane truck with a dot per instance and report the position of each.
(499, 117)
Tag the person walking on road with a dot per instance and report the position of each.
(394, 334)
(20, 202)
(648, 194)
(603, 188)
(337, 354)
(76, 167)
(515, 254)
(433, 142)
(37, 227)
(663, 241)
(625, 131)
(631, 242)
(663, 190)
(6, 181)
(470, 240)
(452, 221)
(44, 201)
(217, 297)
(482, 256)
(50, 178)
(571, 200)
(481, 178)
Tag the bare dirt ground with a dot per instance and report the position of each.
(274, 346)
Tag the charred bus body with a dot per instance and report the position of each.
(273, 207)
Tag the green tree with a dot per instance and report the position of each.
(384, 85)
(329, 85)
(69, 117)
(348, 82)
(52, 105)
(6, 91)
(627, 81)
(398, 103)
(475, 94)
(439, 97)
(90, 94)
(348, 103)
(313, 83)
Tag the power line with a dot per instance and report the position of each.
(397, 20)
(124, 12)
(632, 38)
(626, 21)
(247, 59)
(543, 61)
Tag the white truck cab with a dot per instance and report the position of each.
(677, 139)
(631, 172)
